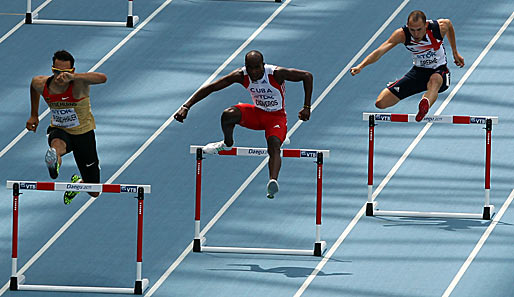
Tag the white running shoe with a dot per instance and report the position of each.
(272, 188)
(52, 162)
(214, 147)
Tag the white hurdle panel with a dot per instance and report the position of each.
(17, 282)
(488, 121)
(319, 245)
(31, 18)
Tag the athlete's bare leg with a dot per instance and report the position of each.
(433, 86)
(386, 99)
(275, 162)
(60, 148)
(230, 117)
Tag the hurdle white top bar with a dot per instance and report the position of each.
(262, 152)
(79, 187)
(446, 119)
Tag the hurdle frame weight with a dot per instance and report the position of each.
(17, 280)
(199, 241)
(31, 18)
(371, 205)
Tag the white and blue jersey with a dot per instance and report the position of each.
(429, 52)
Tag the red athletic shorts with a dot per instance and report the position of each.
(273, 123)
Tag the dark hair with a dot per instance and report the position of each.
(63, 55)
(416, 15)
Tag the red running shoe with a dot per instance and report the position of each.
(424, 105)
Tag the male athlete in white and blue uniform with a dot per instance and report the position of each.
(424, 39)
(266, 84)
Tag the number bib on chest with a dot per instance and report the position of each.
(65, 118)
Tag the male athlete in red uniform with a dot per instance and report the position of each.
(424, 39)
(266, 84)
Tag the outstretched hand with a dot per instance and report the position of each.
(32, 123)
(181, 114)
(458, 60)
(304, 114)
(355, 70)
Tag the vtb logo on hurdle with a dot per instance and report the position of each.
(28, 186)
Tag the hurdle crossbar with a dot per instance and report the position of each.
(488, 121)
(319, 245)
(31, 18)
(443, 119)
(17, 282)
(263, 152)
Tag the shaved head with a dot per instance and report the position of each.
(254, 57)
(254, 63)
(416, 16)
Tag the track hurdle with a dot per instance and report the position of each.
(17, 280)
(488, 121)
(319, 245)
(31, 18)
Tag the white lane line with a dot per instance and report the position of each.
(478, 246)
(264, 162)
(227, 204)
(91, 200)
(395, 168)
(2, 39)
(95, 67)
(22, 22)
(498, 216)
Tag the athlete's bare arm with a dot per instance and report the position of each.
(87, 78)
(36, 89)
(235, 76)
(446, 27)
(281, 74)
(396, 38)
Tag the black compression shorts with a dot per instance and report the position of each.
(415, 81)
(83, 147)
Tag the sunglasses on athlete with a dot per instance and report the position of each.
(58, 71)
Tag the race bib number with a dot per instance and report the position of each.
(65, 118)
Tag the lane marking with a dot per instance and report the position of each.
(395, 168)
(91, 200)
(478, 246)
(22, 22)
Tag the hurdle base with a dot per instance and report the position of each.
(198, 243)
(140, 286)
(132, 21)
(428, 214)
(488, 212)
(245, 250)
(16, 281)
(320, 248)
(370, 208)
(77, 289)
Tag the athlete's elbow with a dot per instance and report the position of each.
(308, 77)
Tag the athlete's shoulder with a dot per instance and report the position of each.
(439, 27)
(38, 82)
(237, 75)
(400, 35)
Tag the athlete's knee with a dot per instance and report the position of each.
(231, 114)
(274, 145)
(59, 145)
(381, 104)
(435, 81)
